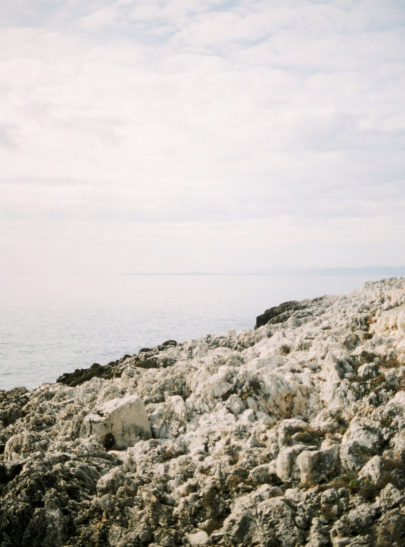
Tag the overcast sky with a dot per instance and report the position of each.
(178, 135)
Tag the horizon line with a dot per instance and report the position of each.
(372, 270)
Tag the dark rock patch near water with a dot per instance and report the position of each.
(80, 375)
(280, 314)
(146, 358)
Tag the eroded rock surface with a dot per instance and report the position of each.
(290, 434)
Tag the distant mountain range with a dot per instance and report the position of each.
(383, 271)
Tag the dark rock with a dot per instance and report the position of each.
(351, 341)
(167, 344)
(41, 506)
(144, 359)
(391, 529)
(11, 405)
(112, 370)
(280, 314)
(277, 314)
(9, 472)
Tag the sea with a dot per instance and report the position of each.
(50, 325)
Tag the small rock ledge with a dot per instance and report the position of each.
(286, 435)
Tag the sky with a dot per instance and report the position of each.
(201, 135)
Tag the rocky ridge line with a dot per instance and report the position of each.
(290, 434)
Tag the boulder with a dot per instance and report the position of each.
(361, 441)
(372, 470)
(276, 524)
(277, 314)
(238, 527)
(118, 423)
(316, 465)
(286, 468)
(198, 538)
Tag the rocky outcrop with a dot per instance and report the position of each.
(282, 312)
(118, 423)
(81, 375)
(290, 434)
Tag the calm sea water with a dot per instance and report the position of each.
(53, 325)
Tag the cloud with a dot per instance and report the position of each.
(7, 135)
(202, 113)
(100, 19)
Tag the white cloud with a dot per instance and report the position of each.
(246, 120)
(99, 19)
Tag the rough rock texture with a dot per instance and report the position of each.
(290, 434)
(118, 423)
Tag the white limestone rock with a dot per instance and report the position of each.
(372, 470)
(390, 497)
(118, 423)
(168, 419)
(361, 441)
(111, 481)
(198, 538)
(316, 465)
(286, 464)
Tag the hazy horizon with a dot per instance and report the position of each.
(201, 135)
(372, 270)
(375, 272)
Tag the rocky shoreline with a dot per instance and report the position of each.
(289, 434)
